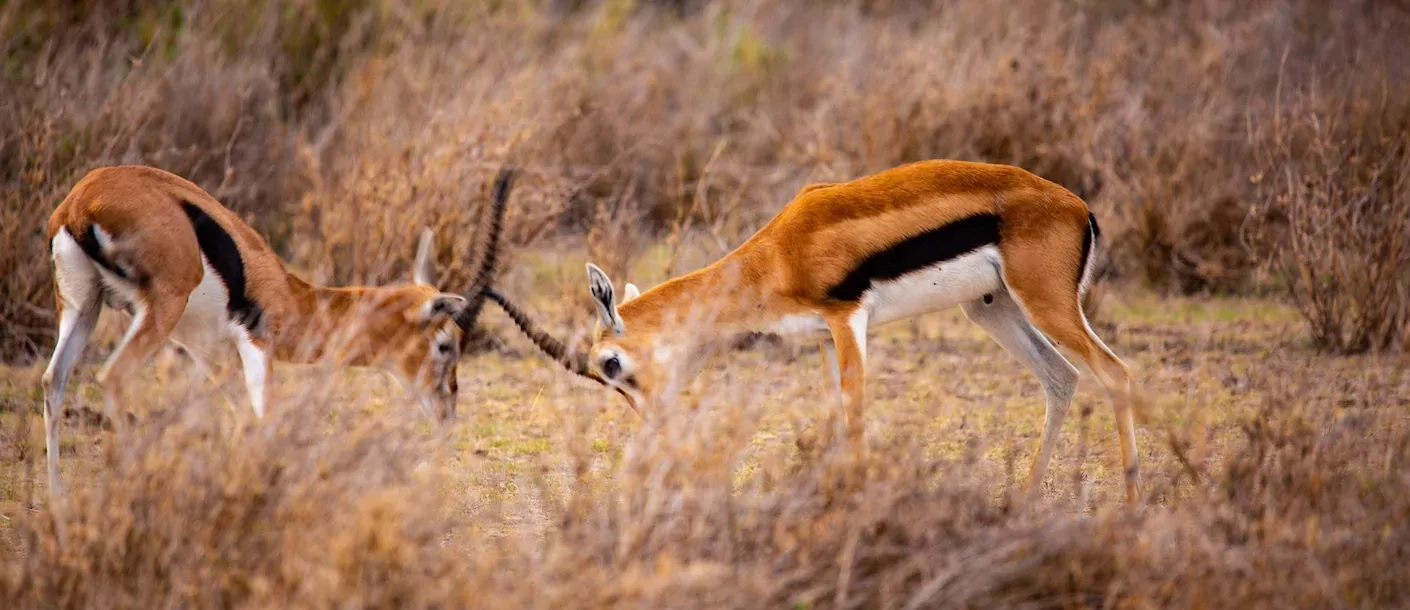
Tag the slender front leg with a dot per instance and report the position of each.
(829, 352)
(849, 338)
(820, 434)
(158, 311)
(255, 358)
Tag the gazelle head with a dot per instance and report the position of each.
(432, 348)
(445, 319)
(644, 362)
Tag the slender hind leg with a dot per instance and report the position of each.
(158, 310)
(75, 326)
(78, 301)
(1002, 318)
(1042, 269)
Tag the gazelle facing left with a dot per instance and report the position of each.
(1011, 249)
(190, 271)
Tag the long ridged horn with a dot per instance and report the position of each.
(489, 254)
(574, 362)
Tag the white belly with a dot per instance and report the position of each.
(206, 320)
(936, 288)
(939, 287)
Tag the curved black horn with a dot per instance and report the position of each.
(574, 362)
(489, 253)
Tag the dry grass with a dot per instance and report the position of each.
(1275, 478)
(1228, 148)
(337, 127)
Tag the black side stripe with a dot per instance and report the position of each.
(918, 252)
(224, 257)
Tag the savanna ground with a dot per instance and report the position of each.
(1248, 163)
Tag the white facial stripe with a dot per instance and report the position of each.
(627, 363)
(443, 337)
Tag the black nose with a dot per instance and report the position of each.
(611, 367)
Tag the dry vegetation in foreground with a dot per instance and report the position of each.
(1251, 156)
(1275, 478)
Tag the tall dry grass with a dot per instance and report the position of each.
(309, 509)
(336, 128)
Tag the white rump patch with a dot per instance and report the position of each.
(75, 275)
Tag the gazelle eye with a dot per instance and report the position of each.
(611, 367)
(443, 348)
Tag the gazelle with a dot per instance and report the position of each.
(1011, 249)
(190, 271)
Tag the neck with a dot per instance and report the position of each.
(332, 319)
(721, 299)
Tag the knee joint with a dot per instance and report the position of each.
(107, 380)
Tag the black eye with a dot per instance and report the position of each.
(443, 348)
(611, 367)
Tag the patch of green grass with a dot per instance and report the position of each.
(520, 446)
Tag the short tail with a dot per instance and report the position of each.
(1090, 240)
(574, 362)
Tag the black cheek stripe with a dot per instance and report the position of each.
(224, 257)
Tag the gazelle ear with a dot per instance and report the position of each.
(604, 298)
(423, 271)
(442, 306)
(630, 292)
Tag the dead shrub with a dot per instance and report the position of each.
(1335, 215)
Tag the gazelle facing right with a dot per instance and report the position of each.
(1011, 249)
(190, 271)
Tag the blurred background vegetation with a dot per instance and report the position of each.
(1255, 152)
(1226, 147)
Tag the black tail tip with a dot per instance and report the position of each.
(1096, 230)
